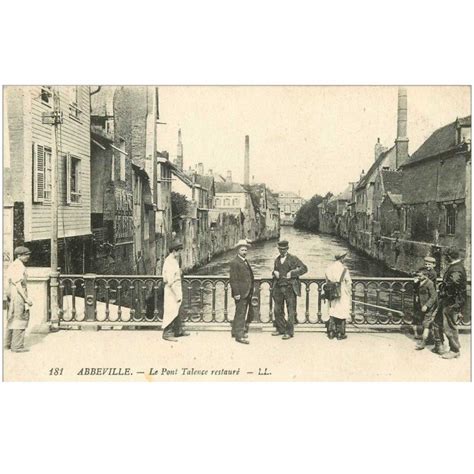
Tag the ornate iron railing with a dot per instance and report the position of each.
(137, 300)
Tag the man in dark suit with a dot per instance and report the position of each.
(452, 298)
(286, 288)
(241, 284)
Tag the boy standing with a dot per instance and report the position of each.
(427, 302)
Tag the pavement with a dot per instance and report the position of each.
(142, 355)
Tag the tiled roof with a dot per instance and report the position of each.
(395, 198)
(441, 140)
(229, 188)
(392, 181)
(346, 195)
(378, 162)
(205, 181)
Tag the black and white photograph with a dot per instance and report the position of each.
(237, 233)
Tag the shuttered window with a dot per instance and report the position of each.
(41, 173)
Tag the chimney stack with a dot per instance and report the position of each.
(179, 154)
(401, 143)
(378, 149)
(200, 169)
(247, 161)
(229, 176)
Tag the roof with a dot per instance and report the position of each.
(229, 188)
(395, 198)
(392, 181)
(346, 195)
(378, 162)
(206, 182)
(440, 141)
(182, 176)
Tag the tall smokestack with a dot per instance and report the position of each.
(179, 154)
(229, 176)
(401, 142)
(247, 161)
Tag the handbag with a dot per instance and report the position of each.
(332, 289)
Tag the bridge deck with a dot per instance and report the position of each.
(308, 356)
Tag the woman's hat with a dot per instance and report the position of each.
(176, 245)
(338, 256)
(242, 243)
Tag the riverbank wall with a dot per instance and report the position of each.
(204, 240)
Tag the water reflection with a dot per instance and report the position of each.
(315, 250)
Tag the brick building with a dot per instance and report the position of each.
(436, 188)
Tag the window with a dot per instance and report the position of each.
(41, 173)
(73, 100)
(73, 179)
(46, 95)
(227, 202)
(450, 220)
(235, 202)
(218, 202)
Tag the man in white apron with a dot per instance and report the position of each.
(173, 295)
(18, 301)
(339, 308)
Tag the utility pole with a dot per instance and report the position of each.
(55, 118)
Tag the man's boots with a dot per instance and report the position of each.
(341, 330)
(330, 327)
(438, 348)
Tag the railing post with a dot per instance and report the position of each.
(90, 301)
(255, 302)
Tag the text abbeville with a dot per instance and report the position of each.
(105, 371)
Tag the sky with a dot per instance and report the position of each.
(306, 139)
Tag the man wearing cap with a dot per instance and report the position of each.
(340, 307)
(286, 288)
(172, 324)
(452, 297)
(18, 301)
(241, 284)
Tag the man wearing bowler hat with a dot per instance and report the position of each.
(241, 284)
(286, 288)
(18, 301)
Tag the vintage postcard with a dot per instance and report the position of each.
(236, 233)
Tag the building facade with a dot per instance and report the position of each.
(35, 145)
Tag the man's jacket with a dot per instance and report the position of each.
(453, 287)
(427, 296)
(241, 278)
(295, 268)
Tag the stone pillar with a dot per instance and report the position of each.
(38, 279)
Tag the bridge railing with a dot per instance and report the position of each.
(137, 300)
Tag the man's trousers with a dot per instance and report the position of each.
(282, 295)
(243, 316)
(445, 324)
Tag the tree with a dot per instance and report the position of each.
(307, 218)
(179, 208)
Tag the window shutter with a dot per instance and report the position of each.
(68, 178)
(38, 173)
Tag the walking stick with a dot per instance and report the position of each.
(379, 307)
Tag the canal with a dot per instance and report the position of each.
(315, 250)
